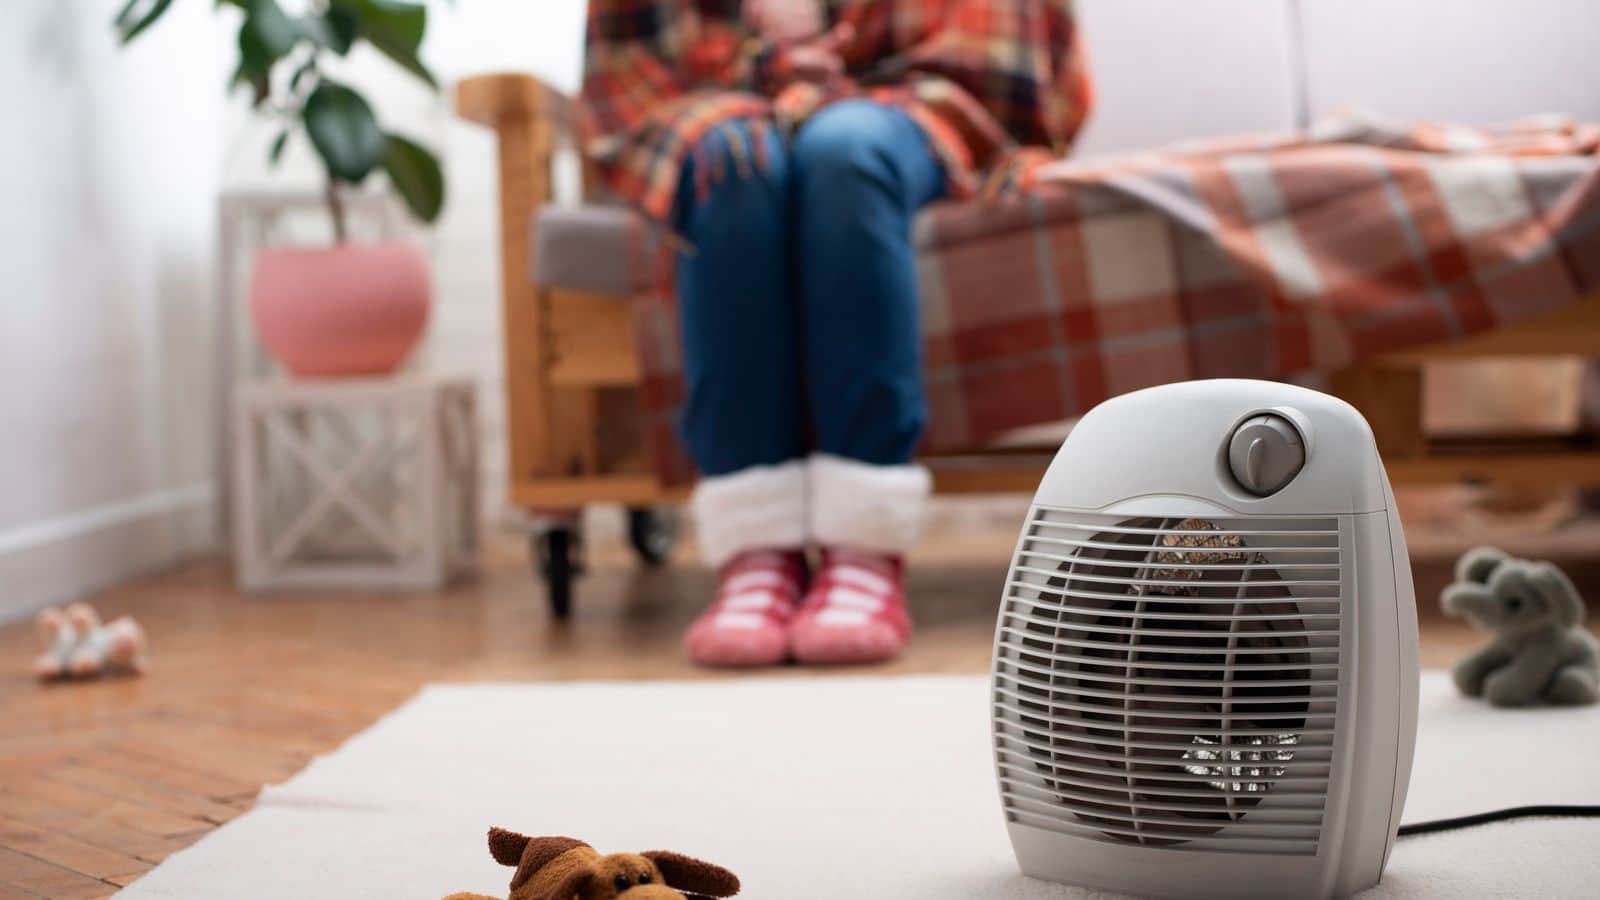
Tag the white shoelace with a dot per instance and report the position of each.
(856, 596)
(749, 596)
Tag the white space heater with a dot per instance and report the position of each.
(1205, 672)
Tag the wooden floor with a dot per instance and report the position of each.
(99, 782)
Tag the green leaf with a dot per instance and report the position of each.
(342, 26)
(416, 175)
(278, 143)
(402, 22)
(344, 131)
(334, 28)
(265, 36)
(253, 56)
(272, 26)
(395, 29)
(138, 15)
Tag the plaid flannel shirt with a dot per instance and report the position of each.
(999, 86)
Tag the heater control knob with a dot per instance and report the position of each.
(1265, 453)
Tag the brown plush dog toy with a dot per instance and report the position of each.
(563, 868)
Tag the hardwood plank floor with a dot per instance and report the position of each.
(101, 781)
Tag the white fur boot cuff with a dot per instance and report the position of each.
(877, 508)
(755, 508)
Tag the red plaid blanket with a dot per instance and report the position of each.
(1261, 257)
(998, 85)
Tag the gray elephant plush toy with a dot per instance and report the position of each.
(1541, 652)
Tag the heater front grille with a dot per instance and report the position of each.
(1170, 682)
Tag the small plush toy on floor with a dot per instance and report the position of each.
(561, 868)
(81, 647)
(1541, 652)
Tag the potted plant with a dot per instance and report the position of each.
(350, 308)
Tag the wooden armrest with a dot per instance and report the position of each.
(529, 119)
(496, 98)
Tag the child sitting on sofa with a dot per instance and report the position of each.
(789, 144)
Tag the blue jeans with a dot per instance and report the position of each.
(799, 304)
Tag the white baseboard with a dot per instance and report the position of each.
(61, 559)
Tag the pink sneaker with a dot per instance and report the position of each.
(855, 611)
(746, 625)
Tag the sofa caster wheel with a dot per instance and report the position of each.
(557, 553)
(653, 531)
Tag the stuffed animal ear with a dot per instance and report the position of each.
(1558, 591)
(506, 846)
(1479, 563)
(694, 876)
(528, 854)
(1458, 598)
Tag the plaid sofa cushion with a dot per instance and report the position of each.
(1259, 257)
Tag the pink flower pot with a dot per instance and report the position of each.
(350, 309)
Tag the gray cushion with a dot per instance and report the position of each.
(593, 249)
(602, 249)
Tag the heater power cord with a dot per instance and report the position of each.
(1498, 815)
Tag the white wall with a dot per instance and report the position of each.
(1166, 70)
(1172, 69)
(1471, 61)
(105, 229)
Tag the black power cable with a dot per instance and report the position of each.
(1498, 815)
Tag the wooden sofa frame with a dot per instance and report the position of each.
(571, 374)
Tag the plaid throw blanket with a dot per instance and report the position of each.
(1262, 257)
(998, 85)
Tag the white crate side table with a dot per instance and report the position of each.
(354, 483)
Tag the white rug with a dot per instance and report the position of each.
(808, 788)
